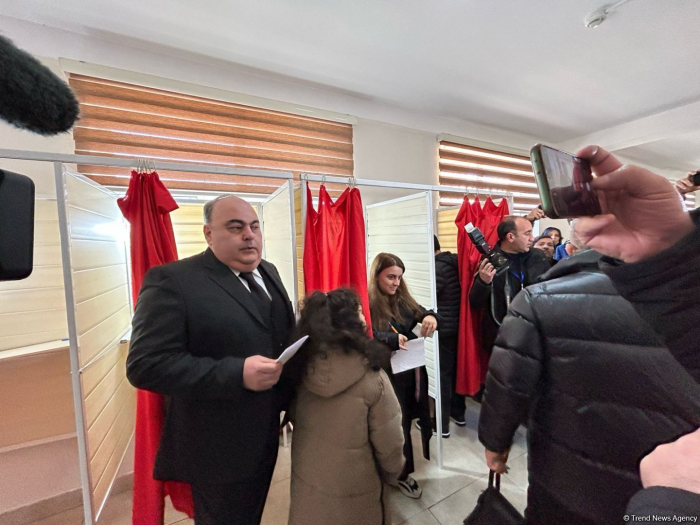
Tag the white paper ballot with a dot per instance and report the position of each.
(403, 360)
(417, 330)
(291, 350)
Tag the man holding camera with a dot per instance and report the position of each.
(495, 288)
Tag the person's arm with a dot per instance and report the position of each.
(388, 337)
(514, 374)
(671, 478)
(664, 501)
(480, 293)
(385, 432)
(158, 359)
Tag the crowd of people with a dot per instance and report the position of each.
(593, 344)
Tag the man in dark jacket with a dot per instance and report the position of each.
(449, 298)
(206, 333)
(599, 385)
(525, 267)
(654, 262)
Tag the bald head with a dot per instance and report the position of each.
(232, 231)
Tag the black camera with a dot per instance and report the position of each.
(497, 259)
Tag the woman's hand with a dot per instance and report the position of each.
(428, 326)
(402, 342)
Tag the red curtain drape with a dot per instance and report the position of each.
(472, 362)
(334, 245)
(147, 206)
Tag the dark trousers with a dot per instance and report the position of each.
(240, 503)
(452, 403)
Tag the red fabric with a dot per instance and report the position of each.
(472, 362)
(147, 206)
(334, 245)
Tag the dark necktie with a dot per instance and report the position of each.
(260, 298)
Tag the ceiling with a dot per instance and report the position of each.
(524, 66)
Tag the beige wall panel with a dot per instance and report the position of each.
(96, 281)
(47, 254)
(447, 230)
(103, 485)
(94, 311)
(9, 342)
(90, 225)
(187, 227)
(29, 322)
(188, 250)
(46, 231)
(94, 373)
(85, 195)
(41, 277)
(298, 218)
(103, 392)
(124, 422)
(36, 398)
(45, 210)
(104, 421)
(31, 299)
(96, 340)
(278, 238)
(88, 254)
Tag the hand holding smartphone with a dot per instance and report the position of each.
(564, 182)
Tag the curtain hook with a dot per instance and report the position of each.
(323, 180)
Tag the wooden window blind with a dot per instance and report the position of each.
(486, 170)
(130, 121)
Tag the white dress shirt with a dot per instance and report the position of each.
(258, 279)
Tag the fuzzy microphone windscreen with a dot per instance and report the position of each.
(31, 96)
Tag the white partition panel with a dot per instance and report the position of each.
(279, 236)
(404, 227)
(93, 248)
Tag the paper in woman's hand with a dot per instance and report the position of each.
(403, 360)
(291, 350)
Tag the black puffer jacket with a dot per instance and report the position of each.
(599, 388)
(449, 292)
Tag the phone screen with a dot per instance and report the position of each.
(569, 180)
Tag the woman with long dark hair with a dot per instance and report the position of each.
(395, 313)
(347, 421)
(555, 234)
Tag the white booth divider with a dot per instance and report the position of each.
(96, 279)
(404, 227)
(279, 236)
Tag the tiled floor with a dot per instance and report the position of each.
(449, 494)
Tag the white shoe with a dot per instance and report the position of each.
(410, 488)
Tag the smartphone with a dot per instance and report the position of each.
(564, 181)
(695, 178)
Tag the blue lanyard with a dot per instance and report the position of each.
(520, 277)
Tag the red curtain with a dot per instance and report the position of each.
(472, 362)
(147, 206)
(334, 245)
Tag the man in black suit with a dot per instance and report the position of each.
(206, 333)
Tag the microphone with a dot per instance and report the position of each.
(32, 97)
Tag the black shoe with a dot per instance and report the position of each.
(459, 420)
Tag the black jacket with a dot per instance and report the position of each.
(194, 325)
(598, 387)
(449, 292)
(529, 267)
